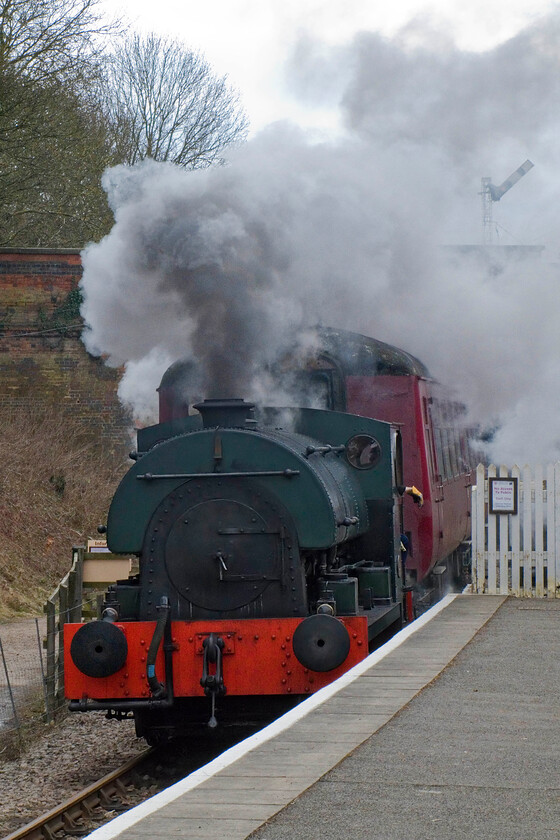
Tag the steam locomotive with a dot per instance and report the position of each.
(274, 546)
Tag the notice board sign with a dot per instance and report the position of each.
(502, 495)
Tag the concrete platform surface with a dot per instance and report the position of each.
(450, 730)
(474, 755)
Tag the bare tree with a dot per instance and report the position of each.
(170, 105)
(44, 44)
(67, 112)
(54, 138)
(47, 40)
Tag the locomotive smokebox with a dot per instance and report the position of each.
(231, 413)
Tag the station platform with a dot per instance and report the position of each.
(452, 729)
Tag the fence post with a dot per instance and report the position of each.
(492, 543)
(527, 532)
(77, 574)
(43, 680)
(550, 532)
(474, 546)
(10, 692)
(554, 578)
(479, 532)
(515, 536)
(50, 610)
(539, 532)
(62, 619)
(503, 522)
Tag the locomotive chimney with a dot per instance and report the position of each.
(232, 413)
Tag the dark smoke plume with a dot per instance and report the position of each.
(228, 265)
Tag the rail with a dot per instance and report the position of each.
(88, 806)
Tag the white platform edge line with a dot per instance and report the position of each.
(125, 821)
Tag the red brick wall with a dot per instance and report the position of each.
(42, 359)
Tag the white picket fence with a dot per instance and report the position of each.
(517, 554)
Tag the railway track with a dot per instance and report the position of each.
(141, 777)
(96, 804)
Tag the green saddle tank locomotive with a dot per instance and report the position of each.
(270, 556)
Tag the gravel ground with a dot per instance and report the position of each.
(60, 759)
(66, 757)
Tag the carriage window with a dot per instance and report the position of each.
(466, 459)
(453, 451)
(446, 457)
(439, 451)
(314, 389)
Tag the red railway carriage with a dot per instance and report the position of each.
(435, 457)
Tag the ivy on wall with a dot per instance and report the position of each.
(65, 317)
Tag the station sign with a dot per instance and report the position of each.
(97, 546)
(503, 495)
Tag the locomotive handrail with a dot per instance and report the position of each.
(324, 450)
(288, 473)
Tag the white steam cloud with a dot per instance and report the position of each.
(227, 265)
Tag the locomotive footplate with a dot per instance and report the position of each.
(383, 617)
(257, 657)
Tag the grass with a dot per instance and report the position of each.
(56, 483)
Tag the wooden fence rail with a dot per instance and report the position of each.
(516, 531)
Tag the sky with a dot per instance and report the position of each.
(371, 133)
(251, 40)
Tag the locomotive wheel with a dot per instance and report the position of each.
(99, 649)
(321, 643)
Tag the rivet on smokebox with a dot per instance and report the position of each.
(354, 635)
(284, 681)
(256, 638)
